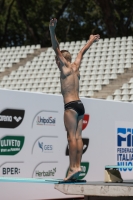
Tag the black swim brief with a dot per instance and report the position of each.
(77, 106)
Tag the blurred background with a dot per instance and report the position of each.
(27, 60)
(25, 22)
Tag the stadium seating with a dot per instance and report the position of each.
(102, 63)
(125, 93)
(10, 56)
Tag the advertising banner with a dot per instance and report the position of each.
(33, 141)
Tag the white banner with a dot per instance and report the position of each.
(33, 141)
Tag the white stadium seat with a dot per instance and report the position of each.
(125, 91)
(117, 98)
(125, 97)
(117, 92)
(109, 97)
(131, 98)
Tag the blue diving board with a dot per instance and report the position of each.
(35, 180)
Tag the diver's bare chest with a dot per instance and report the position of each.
(71, 75)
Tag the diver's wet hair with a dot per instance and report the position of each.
(66, 54)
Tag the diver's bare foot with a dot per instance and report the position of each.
(72, 174)
(79, 169)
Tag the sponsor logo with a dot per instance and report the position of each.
(85, 121)
(45, 118)
(10, 170)
(50, 121)
(124, 148)
(45, 169)
(17, 118)
(11, 145)
(85, 146)
(46, 173)
(46, 148)
(11, 118)
(84, 168)
(125, 135)
(45, 144)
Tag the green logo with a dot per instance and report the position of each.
(84, 168)
(11, 145)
